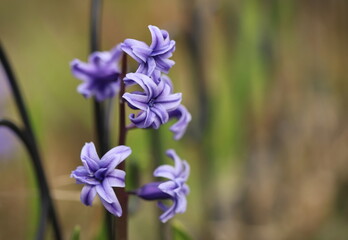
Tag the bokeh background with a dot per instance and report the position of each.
(265, 82)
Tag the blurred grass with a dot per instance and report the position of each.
(269, 159)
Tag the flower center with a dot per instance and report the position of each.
(151, 102)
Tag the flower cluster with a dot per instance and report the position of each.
(157, 104)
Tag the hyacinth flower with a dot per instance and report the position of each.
(100, 75)
(175, 189)
(100, 175)
(152, 59)
(155, 102)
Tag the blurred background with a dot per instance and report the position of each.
(265, 82)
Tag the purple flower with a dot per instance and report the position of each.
(100, 175)
(152, 59)
(155, 102)
(100, 75)
(184, 117)
(175, 189)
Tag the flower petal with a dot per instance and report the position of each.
(167, 81)
(85, 90)
(139, 119)
(128, 46)
(82, 176)
(138, 101)
(116, 178)
(156, 36)
(165, 171)
(177, 161)
(186, 172)
(81, 70)
(161, 43)
(113, 207)
(169, 187)
(106, 192)
(168, 214)
(185, 189)
(90, 165)
(170, 102)
(161, 113)
(179, 128)
(89, 151)
(145, 82)
(181, 203)
(162, 206)
(142, 52)
(115, 156)
(164, 64)
(100, 59)
(88, 194)
(150, 118)
(100, 173)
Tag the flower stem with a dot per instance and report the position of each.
(122, 222)
(100, 109)
(27, 136)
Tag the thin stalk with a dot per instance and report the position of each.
(100, 109)
(122, 222)
(32, 147)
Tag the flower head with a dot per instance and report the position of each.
(100, 75)
(174, 189)
(155, 102)
(100, 175)
(152, 59)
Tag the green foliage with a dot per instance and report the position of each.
(179, 232)
(76, 233)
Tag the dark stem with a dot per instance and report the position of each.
(100, 109)
(27, 136)
(122, 116)
(122, 222)
(95, 25)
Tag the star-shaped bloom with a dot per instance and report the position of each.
(155, 102)
(152, 59)
(100, 175)
(100, 75)
(175, 189)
